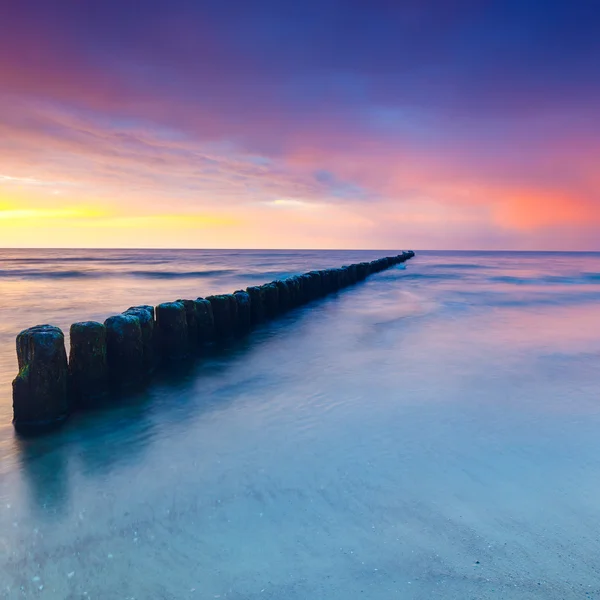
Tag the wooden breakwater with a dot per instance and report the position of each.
(122, 353)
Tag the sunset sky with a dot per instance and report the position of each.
(313, 124)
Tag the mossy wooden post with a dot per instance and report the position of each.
(316, 287)
(244, 311)
(285, 294)
(40, 390)
(172, 326)
(88, 366)
(224, 315)
(271, 300)
(257, 306)
(339, 278)
(344, 280)
(305, 288)
(335, 279)
(145, 314)
(332, 275)
(352, 279)
(362, 270)
(293, 283)
(233, 309)
(191, 316)
(206, 322)
(124, 351)
(325, 282)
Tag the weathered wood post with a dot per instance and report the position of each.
(224, 309)
(244, 311)
(284, 293)
(124, 350)
(40, 399)
(206, 322)
(193, 325)
(294, 287)
(316, 286)
(172, 326)
(145, 314)
(88, 366)
(271, 299)
(257, 306)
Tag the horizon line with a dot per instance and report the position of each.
(166, 249)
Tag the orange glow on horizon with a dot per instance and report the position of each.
(533, 209)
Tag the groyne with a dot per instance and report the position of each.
(120, 355)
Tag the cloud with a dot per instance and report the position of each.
(451, 115)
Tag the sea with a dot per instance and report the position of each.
(431, 433)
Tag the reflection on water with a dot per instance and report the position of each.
(45, 477)
(432, 433)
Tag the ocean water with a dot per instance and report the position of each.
(431, 433)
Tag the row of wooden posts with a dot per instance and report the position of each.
(121, 354)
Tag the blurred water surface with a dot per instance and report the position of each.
(430, 433)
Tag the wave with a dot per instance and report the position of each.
(467, 299)
(179, 274)
(74, 274)
(266, 275)
(574, 279)
(437, 276)
(460, 266)
(70, 259)
(40, 274)
(579, 279)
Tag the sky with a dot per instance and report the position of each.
(440, 124)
